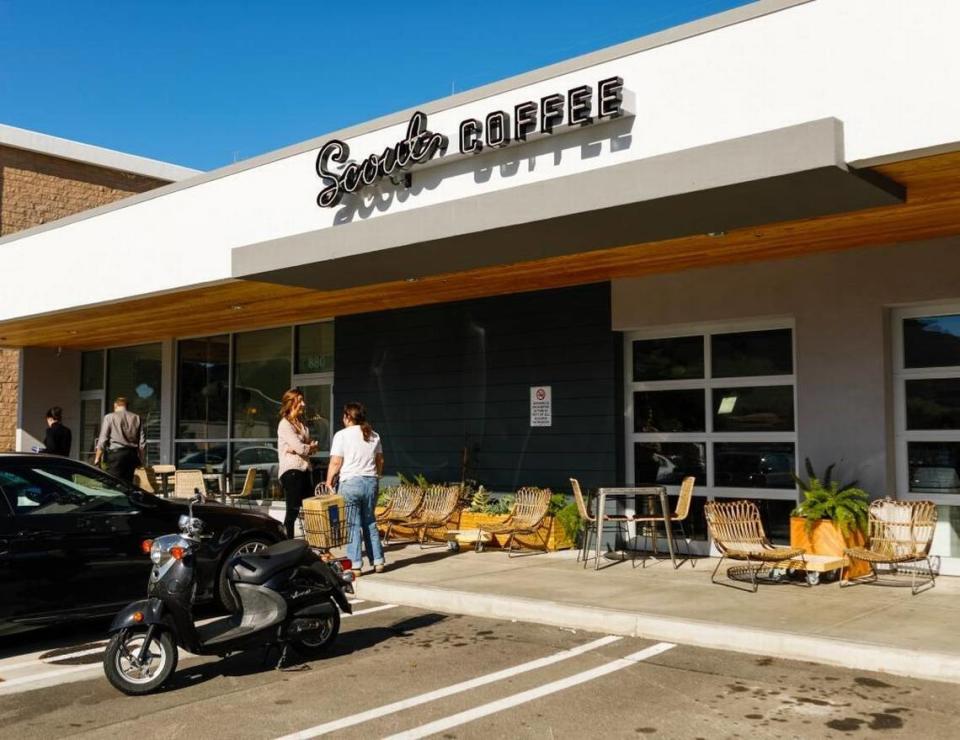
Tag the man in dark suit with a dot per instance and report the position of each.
(58, 438)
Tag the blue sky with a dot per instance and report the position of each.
(208, 82)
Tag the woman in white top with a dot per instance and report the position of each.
(294, 448)
(356, 455)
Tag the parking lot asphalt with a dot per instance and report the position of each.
(403, 672)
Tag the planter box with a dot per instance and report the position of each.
(556, 537)
(826, 539)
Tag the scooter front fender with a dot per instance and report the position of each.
(139, 614)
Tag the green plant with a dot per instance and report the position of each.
(383, 496)
(480, 503)
(419, 480)
(825, 480)
(502, 505)
(558, 501)
(846, 507)
(570, 521)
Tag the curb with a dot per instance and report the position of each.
(921, 664)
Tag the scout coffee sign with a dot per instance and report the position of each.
(580, 106)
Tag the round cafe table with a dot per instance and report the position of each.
(163, 472)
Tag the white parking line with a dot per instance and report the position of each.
(523, 697)
(371, 610)
(413, 701)
(10, 682)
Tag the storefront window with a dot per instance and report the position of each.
(314, 348)
(203, 393)
(927, 388)
(718, 406)
(679, 358)
(261, 375)
(135, 374)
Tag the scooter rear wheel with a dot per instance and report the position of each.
(317, 643)
(124, 671)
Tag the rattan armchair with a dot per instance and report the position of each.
(144, 479)
(900, 532)
(737, 533)
(676, 519)
(439, 505)
(529, 509)
(404, 502)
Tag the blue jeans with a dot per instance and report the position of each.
(362, 494)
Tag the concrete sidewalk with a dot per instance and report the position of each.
(866, 627)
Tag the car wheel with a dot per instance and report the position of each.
(225, 591)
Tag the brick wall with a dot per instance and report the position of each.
(36, 189)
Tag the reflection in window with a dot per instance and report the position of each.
(261, 376)
(668, 463)
(203, 377)
(314, 348)
(933, 403)
(932, 341)
(134, 373)
(752, 353)
(934, 467)
(262, 459)
(775, 516)
(676, 358)
(760, 409)
(754, 464)
(669, 411)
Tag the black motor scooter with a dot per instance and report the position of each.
(288, 595)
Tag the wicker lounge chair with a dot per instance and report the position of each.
(144, 479)
(529, 510)
(738, 534)
(675, 520)
(439, 504)
(403, 506)
(900, 532)
(185, 482)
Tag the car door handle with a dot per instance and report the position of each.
(4, 546)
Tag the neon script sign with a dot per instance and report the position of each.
(580, 106)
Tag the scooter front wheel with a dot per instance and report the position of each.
(131, 675)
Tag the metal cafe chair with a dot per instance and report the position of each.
(186, 481)
(676, 519)
(593, 523)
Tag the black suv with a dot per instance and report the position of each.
(71, 541)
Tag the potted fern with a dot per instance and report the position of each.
(832, 515)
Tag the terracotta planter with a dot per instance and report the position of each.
(825, 538)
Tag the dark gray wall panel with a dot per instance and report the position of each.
(440, 378)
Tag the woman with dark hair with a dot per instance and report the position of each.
(356, 455)
(294, 448)
(58, 438)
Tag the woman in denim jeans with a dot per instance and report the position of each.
(357, 456)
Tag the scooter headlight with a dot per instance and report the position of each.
(156, 553)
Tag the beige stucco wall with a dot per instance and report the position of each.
(35, 189)
(841, 305)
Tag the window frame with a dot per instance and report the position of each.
(708, 383)
(900, 375)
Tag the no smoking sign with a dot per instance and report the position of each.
(541, 406)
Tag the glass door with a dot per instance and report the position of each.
(318, 393)
(91, 414)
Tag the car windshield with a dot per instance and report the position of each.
(59, 489)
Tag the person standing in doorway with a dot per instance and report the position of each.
(356, 455)
(122, 441)
(58, 438)
(294, 448)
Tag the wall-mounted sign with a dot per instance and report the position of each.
(579, 106)
(541, 406)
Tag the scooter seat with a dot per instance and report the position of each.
(260, 568)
